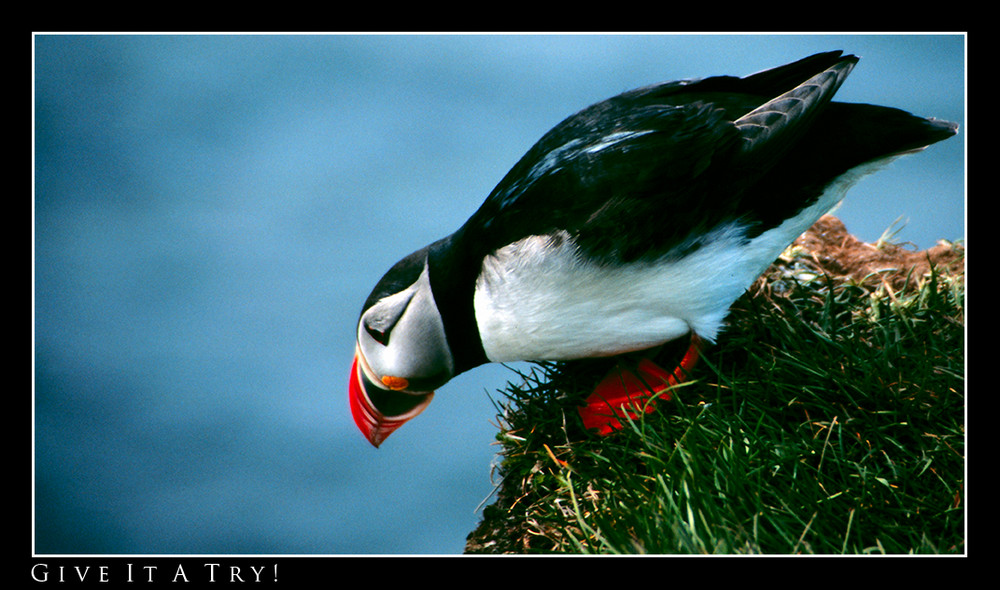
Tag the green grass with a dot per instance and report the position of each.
(827, 419)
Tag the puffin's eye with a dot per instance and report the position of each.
(384, 315)
(380, 337)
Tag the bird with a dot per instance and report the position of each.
(637, 221)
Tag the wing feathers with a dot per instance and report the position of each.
(769, 129)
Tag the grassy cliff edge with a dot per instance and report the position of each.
(829, 418)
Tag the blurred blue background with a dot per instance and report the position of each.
(211, 212)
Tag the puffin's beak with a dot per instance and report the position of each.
(378, 412)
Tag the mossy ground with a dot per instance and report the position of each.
(828, 418)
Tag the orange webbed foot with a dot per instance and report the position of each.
(624, 391)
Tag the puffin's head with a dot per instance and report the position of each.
(402, 353)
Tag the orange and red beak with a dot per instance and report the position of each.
(378, 411)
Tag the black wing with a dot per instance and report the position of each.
(639, 173)
(643, 172)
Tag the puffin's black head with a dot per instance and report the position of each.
(402, 353)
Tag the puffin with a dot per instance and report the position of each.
(637, 221)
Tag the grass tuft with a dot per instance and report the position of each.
(827, 419)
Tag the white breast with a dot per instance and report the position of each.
(538, 300)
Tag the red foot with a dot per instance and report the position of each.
(623, 391)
